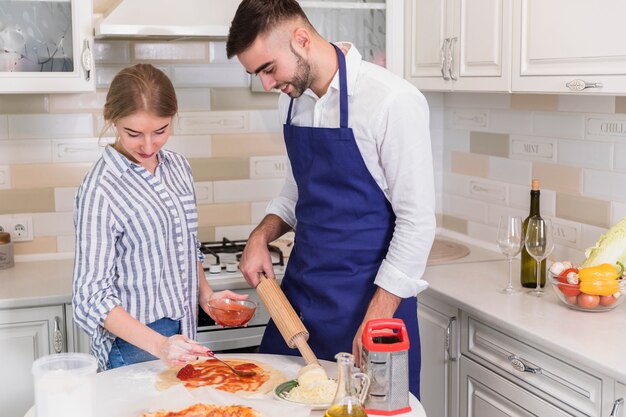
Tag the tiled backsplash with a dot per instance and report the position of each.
(488, 147)
(231, 136)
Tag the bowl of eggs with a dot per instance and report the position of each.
(596, 289)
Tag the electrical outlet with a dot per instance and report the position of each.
(21, 228)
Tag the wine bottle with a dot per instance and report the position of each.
(528, 270)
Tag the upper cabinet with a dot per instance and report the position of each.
(459, 45)
(562, 46)
(46, 46)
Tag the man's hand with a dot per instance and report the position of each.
(383, 305)
(256, 259)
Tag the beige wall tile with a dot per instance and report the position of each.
(223, 214)
(470, 164)
(539, 102)
(494, 144)
(583, 210)
(78, 103)
(23, 103)
(454, 223)
(206, 234)
(248, 145)
(47, 244)
(211, 169)
(560, 178)
(620, 104)
(241, 98)
(195, 52)
(48, 175)
(36, 200)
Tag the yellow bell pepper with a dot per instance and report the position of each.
(600, 287)
(603, 272)
(599, 280)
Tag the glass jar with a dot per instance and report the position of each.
(6, 250)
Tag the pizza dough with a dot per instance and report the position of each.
(214, 374)
(207, 410)
(311, 375)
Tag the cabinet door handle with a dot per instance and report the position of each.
(444, 59)
(580, 85)
(86, 59)
(451, 356)
(451, 56)
(57, 336)
(616, 406)
(521, 365)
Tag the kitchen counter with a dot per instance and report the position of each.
(595, 340)
(130, 390)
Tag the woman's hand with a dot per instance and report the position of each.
(206, 297)
(177, 350)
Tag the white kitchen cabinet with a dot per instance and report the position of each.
(619, 402)
(534, 372)
(559, 43)
(440, 352)
(459, 45)
(25, 335)
(486, 394)
(46, 47)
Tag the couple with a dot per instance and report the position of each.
(361, 181)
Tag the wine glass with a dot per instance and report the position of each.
(539, 244)
(510, 243)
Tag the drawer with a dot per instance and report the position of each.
(559, 382)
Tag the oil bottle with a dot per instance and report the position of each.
(351, 389)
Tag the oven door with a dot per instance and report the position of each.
(229, 339)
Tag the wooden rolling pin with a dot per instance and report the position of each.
(285, 318)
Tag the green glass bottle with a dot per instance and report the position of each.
(528, 270)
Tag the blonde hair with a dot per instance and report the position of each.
(141, 87)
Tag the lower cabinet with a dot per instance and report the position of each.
(440, 352)
(473, 368)
(25, 335)
(486, 394)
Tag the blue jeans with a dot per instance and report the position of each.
(124, 353)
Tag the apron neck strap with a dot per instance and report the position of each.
(343, 92)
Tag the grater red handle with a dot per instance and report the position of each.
(372, 330)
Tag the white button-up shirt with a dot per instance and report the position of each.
(390, 121)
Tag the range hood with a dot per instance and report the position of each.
(167, 19)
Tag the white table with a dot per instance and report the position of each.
(122, 388)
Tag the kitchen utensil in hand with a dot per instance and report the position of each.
(510, 242)
(285, 317)
(245, 373)
(539, 244)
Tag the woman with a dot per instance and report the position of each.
(138, 276)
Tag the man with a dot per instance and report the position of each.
(360, 195)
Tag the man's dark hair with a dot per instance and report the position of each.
(255, 17)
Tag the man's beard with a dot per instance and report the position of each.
(302, 79)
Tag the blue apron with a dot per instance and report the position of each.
(345, 224)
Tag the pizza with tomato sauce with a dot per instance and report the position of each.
(207, 410)
(213, 373)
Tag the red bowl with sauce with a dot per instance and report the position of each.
(231, 313)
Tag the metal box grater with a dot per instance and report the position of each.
(385, 359)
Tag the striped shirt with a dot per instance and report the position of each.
(136, 245)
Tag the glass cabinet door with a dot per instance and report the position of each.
(375, 27)
(45, 46)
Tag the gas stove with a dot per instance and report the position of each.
(222, 258)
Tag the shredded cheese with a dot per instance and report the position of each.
(321, 392)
